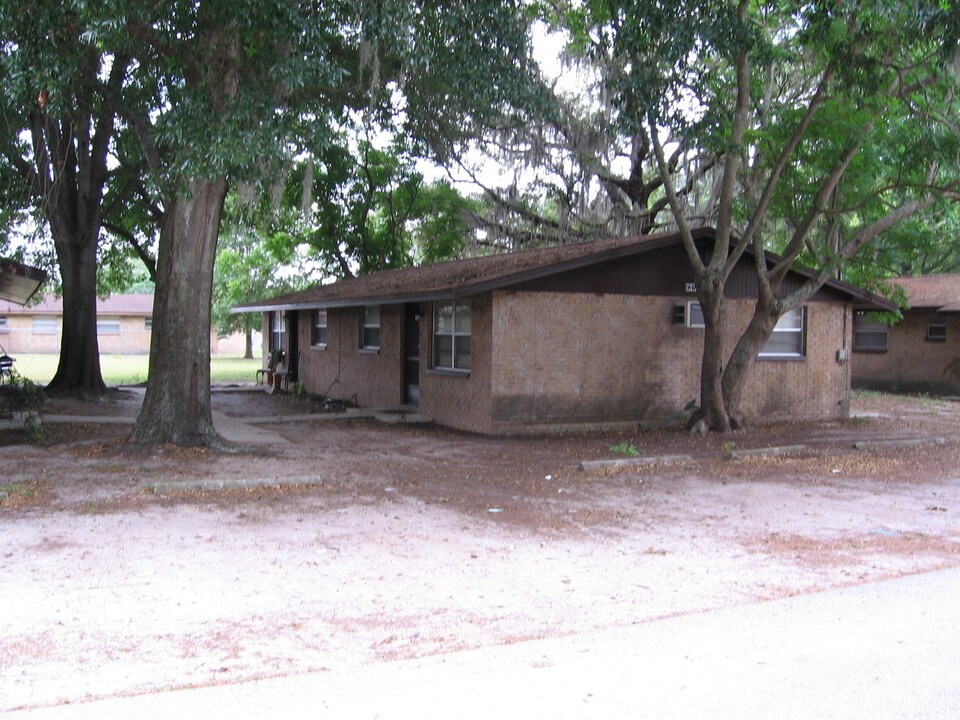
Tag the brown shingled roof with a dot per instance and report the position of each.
(932, 291)
(460, 278)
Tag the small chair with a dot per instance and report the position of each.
(283, 377)
(276, 357)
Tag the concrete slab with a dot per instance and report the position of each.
(241, 432)
(765, 451)
(890, 649)
(899, 442)
(633, 461)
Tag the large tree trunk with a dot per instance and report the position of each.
(176, 408)
(248, 343)
(745, 353)
(712, 413)
(79, 367)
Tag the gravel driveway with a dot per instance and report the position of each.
(404, 541)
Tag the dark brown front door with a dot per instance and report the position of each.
(293, 345)
(411, 354)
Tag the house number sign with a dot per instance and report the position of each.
(690, 287)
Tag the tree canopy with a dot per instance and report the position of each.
(230, 93)
(807, 128)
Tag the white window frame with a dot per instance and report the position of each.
(787, 325)
(455, 335)
(108, 326)
(936, 322)
(863, 329)
(278, 331)
(316, 340)
(370, 321)
(693, 318)
(44, 325)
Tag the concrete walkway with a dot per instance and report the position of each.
(241, 431)
(884, 650)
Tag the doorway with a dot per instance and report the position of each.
(293, 345)
(411, 354)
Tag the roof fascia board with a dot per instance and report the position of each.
(352, 302)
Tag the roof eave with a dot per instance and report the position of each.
(351, 302)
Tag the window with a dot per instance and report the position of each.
(4, 328)
(451, 336)
(937, 329)
(148, 323)
(108, 326)
(370, 328)
(694, 316)
(788, 338)
(44, 326)
(318, 333)
(869, 335)
(278, 331)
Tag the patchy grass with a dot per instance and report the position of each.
(16, 493)
(132, 369)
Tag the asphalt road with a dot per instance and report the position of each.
(884, 650)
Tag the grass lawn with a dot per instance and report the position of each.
(132, 369)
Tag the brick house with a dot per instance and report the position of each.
(921, 352)
(584, 335)
(124, 325)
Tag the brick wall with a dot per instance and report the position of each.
(20, 337)
(543, 360)
(133, 338)
(815, 388)
(457, 400)
(561, 359)
(342, 369)
(911, 362)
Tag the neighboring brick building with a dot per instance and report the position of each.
(921, 352)
(584, 335)
(123, 327)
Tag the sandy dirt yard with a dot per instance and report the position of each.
(396, 541)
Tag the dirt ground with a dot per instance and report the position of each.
(399, 541)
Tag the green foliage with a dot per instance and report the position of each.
(27, 394)
(628, 449)
(249, 267)
(807, 128)
(375, 212)
(354, 209)
(920, 245)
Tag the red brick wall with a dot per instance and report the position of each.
(815, 388)
(551, 360)
(590, 359)
(342, 369)
(457, 400)
(911, 362)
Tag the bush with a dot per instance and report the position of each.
(27, 395)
